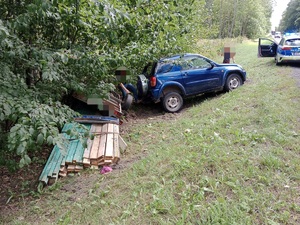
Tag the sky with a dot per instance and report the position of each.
(279, 7)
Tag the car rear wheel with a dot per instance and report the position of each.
(233, 81)
(127, 102)
(172, 102)
(277, 62)
(142, 85)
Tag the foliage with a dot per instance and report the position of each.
(290, 21)
(234, 18)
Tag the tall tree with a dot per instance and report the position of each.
(290, 21)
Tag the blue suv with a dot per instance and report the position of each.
(169, 80)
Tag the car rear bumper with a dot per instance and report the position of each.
(288, 58)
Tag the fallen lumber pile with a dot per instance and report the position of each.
(103, 148)
(111, 104)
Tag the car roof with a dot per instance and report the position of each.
(174, 57)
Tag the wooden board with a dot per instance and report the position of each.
(95, 147)
(109, 148)
(102, 145)
(116, 148)
(79, 154)
(70, 152)
(87, 150)
(54, 161)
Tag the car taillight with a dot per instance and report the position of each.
(152, 81)
(286, 48)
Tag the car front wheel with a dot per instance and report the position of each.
(233, 81)
(172, 102)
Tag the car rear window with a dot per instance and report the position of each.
(293, 42)
(168, 66)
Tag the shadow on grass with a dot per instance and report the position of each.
(151, 110)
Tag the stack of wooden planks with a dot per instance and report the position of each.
(102, 149)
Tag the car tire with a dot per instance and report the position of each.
(232, 82)
(277, 62)
(142, 85)
(172, 102)
(127, 102)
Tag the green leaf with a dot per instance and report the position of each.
(27, 159)
(50, 140)
(40, 139)
(20, 149)
(22, 163)
(64, 58)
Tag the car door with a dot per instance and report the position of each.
(267, 47)
(199, 75)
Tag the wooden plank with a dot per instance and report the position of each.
(44, 175)
(91, 119)
(104, 128)
(63, 161)
(110, 128)
(78, 153)
(116, 148)
(122, 143)
(63, 172)
(86, 163)
(95, 147)
(109, 102)
(109, 148)
(53, 161)
(97, 128)
(115, 99)
(71, 151)
(87, 150)
(70, 126)
(67, 126)
(78, 168)
(108, 162)
(116, 129)
(57, 166)
(80, 97)
(102, 145)
(71, 168)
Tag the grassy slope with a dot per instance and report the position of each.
(231, 159)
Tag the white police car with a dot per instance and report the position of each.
(286, 51)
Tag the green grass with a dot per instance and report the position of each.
(229, 159)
